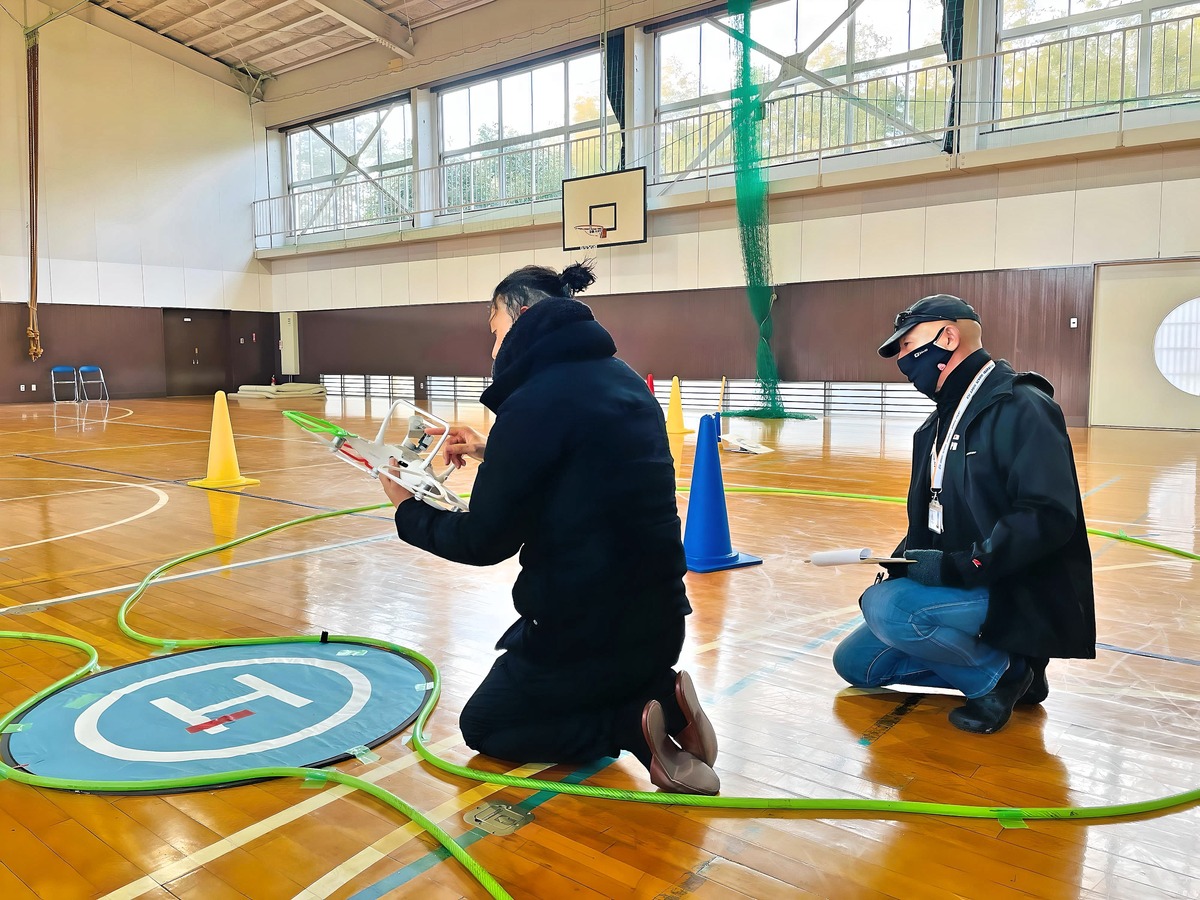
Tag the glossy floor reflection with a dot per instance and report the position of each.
(93, 497)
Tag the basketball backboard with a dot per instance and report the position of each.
(613, 201)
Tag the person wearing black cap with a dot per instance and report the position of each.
(999, 578)
(577, 476)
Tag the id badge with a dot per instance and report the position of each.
(935, 516)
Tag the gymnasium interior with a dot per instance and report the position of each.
(213, 212)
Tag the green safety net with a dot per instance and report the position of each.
(751, 186)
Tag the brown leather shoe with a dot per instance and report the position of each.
(671, 768)
(698, 736)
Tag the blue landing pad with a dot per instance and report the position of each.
(218, 710)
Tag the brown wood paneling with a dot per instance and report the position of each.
(824, 331)
(829, 331)
(441, 339)
(692, 334)
(126, 342)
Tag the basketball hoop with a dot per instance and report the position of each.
(595, 234)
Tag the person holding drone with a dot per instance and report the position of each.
(577, 476)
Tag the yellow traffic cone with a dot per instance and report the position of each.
(675, 411)
(721, 411)
(222, 456)
(675, 442)
(223, 511)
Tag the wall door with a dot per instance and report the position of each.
(196, 346)
(1128, 386)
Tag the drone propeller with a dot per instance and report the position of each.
(414, 469)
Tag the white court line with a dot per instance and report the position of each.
(162, 501)
(75, 420)
(39, 605)
(168, 873)
(367, 857)
(105, 449)
(1144, 565)
(58, 493)
(67, 423)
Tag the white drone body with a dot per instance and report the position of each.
(415, 458)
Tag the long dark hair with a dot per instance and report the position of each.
(532, 284)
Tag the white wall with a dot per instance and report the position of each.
(1136, 206)
(148, 172)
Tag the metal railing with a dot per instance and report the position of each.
(389, 387)
(821, 398)
(1092, 74)
(1117, 73)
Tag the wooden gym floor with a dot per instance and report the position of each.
(93, 498)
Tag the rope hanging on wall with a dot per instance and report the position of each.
(31, 77)
(753, 225)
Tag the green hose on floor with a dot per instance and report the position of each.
(485, 879)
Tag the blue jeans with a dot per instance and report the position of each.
(922, 636)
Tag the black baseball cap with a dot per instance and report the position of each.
(938, 308)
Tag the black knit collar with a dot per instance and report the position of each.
(553, 331)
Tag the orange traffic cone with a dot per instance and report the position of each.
(223, 469)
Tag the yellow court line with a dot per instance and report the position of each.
(368, 856)
(180, 867)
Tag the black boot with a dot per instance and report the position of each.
(1039, 689)
(989, 713)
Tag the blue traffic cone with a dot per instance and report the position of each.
(706, 541)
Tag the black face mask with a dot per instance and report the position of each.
(923, 366)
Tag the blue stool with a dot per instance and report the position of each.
(96, 381)
(56, 380)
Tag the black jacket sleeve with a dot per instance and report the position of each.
(522, 452)
(1034, 453)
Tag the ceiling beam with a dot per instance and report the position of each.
(370, 23)
(337, 35)
(138, 16)
(220, 29)
(208, 10)
(173, 50)
(284, 27)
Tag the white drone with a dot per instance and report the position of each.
(415, 458)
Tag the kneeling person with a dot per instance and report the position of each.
(577, 475)
(1001, 572)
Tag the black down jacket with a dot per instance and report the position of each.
(578, 477)
(1013, 517)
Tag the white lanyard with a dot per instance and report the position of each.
(937, 461)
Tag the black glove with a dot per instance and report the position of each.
(926, 567)
(933, 568)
